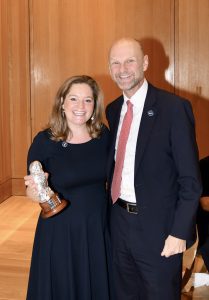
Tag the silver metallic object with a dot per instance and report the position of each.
(49, 201)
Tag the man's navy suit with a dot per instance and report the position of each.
(203, 215)
(167, 187)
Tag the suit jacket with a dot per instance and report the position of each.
(166, 176)
(202, 215)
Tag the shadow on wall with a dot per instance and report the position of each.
(160, 71)
(161, 74)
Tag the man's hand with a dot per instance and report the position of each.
(173, 246)
(204, 202)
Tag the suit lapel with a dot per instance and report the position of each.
(147, 121)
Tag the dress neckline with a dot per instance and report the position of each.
(74, 144)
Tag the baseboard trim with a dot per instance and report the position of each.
(18, 187)
(5, 190)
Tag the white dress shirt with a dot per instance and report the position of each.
(127, 184)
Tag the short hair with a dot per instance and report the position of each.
(58, 125)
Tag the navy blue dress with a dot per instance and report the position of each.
(70, 259)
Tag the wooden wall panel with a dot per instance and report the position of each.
(192, 63)
(73, 37)
(43, 42)
(41, 47)
(19, 79)
(5, 157)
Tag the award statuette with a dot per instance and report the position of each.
(49, 201)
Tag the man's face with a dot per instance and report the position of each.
(127, 65)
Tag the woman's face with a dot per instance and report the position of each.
(78, 105)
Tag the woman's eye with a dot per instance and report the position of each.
(72, 99)
(89, 100)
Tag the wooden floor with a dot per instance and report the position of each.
(18, 217)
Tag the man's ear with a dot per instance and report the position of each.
(145, 63)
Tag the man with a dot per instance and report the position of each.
(203, 212)
(156, 187)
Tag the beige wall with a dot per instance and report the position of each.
(45, 41)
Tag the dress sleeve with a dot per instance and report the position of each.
(38, 149)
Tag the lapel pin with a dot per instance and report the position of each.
(150, 113)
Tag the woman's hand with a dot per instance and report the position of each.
(32, 190)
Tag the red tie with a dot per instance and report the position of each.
(125, 129)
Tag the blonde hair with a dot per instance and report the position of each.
(58, 125)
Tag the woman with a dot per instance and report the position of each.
(70, 259)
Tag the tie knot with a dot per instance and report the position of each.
(129, 104)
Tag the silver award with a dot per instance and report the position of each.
(49, 201)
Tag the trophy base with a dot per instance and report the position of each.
(53, 206)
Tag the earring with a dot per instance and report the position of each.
(63, 113)
(92, 118)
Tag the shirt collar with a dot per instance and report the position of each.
(138, 98)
